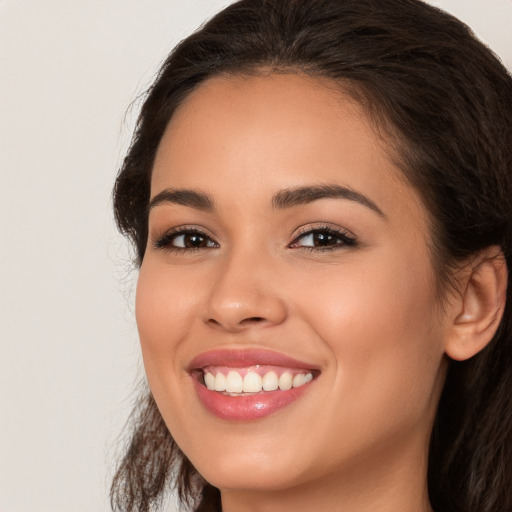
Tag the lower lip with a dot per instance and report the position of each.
(247, 407)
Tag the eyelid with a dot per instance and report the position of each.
(163, 239)
(348, 238)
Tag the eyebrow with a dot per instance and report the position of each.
(286, 198)
(303, 195)
(185, 197)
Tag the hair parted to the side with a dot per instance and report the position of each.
(445, 103)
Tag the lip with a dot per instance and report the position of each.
(241, 358)
(251, 406)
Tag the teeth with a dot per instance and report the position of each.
(252, 383)
(286, 381)
(270, 381)
(209, 380)
(234, 384)
(220, 382)
(299, 380)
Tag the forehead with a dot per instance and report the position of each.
(261, 133)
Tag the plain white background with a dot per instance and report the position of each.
(69, 359)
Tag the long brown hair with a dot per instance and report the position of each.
(445, 103)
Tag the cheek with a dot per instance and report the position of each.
(383, 294)
(380, 324)
(164, 314)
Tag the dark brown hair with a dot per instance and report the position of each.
(445, 102)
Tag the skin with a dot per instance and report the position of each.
(367, 315)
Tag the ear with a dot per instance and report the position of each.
(479, 308)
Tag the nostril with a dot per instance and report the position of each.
(252, 319)
(237, 324)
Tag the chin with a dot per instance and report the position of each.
(248, 474)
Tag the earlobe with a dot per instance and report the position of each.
(480, 307)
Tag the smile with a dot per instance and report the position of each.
(248, 385)
(255, 379)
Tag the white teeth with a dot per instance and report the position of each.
(209, 380)
(270, 381)
(252, 383)
(234, 383)
(220, 382)
(285, 381)
(299, 380)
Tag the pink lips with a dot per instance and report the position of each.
(250, 406)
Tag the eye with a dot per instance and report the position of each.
(323, 238)
(185, 239)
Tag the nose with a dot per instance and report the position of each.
(244, 295)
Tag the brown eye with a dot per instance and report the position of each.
(323, 239)
(183, 240)
(320, 239)
(191, 241)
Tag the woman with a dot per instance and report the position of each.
(319, 194)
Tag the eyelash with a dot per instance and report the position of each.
(165, 241)
(345, 239)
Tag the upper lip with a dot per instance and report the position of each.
(242, 358)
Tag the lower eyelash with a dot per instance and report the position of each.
(164, 241)
(348, 240)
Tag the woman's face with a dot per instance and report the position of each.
(286, 249)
